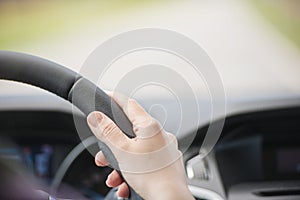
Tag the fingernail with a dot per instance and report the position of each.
(94, 119)
(100, 159)
(107, 182)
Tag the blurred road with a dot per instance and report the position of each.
(252, 56)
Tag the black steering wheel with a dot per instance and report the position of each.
(69, 85)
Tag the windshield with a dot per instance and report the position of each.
(253, 44)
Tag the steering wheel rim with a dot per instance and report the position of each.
(69, 85)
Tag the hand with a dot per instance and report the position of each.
(150, 163)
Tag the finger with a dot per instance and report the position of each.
(114, 179)
(123, 190)
(100, 160)
(135, 112)
(106, 130)
(119, 98)
(129, 106)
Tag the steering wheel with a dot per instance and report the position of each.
(69, 85)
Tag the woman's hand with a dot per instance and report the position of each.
(150, 163)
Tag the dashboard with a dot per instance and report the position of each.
(41, 141)
(257, 156)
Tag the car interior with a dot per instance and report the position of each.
(256, 157)
(250, 150)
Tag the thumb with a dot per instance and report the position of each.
(107, 131)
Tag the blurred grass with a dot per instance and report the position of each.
(28, 20)
(283, 14)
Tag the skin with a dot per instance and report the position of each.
(113, 179)
(161, 183)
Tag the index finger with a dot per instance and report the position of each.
(135, 112)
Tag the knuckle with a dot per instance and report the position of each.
(154, 124)
(132, 101)
(124, 146)
(109, 129)
(171, 136)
